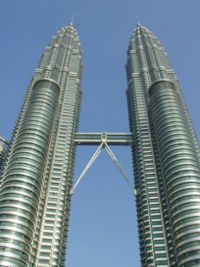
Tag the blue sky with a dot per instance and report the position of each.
(103, 229)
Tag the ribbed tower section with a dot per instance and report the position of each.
(3, 152)
(165, 156)
(35, 187)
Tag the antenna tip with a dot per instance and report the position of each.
(138, 23)
(72, 21)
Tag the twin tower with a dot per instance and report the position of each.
(36, 185)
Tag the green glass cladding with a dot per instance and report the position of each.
(166, 157)
(36, 183)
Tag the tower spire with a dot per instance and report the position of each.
(138, 22)
(72, 21)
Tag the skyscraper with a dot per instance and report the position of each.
(35, 187)
(166, 157)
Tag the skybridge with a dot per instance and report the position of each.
(103, 141)
(116, 139)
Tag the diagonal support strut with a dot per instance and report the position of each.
(87, 167)
(94, 157)
(113, 157)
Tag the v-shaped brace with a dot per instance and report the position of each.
(94, 157)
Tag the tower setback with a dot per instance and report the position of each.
(165, 155)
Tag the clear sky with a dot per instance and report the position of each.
(103, 229)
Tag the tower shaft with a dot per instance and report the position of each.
(35, 188)
(165, 156)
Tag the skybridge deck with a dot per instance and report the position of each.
(118, 139)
